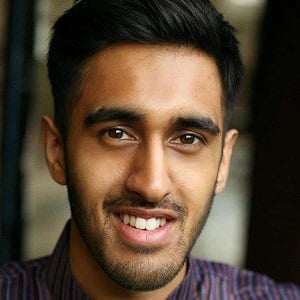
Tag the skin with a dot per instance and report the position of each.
(167, 155)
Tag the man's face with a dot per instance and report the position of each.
(144, 159)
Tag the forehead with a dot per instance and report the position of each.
(160, 81)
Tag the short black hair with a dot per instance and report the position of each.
(92, 25)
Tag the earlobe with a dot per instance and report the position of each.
(54, 150)
(229, 141)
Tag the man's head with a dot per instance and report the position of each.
(141, 89)
(91, 26)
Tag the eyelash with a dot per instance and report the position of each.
(199, 140)
(106, 133)
(114, 130)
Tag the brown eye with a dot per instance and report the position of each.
(188, 139)
(116, 133)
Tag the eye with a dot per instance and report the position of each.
(189, 139)
(117, 133)
(189, 142)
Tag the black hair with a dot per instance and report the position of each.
(92, 25)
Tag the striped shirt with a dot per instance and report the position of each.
(51, 278)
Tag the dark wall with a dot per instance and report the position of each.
(15, 106)
(274, 242)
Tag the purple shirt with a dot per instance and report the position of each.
(51, 278)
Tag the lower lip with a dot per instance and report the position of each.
(144, 238)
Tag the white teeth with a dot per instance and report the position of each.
(151, 224)
(132, 221)
(141, 223)
(126, 219)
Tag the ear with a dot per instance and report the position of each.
(54, 150)
(229, 141)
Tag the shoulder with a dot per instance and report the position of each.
(16, 269)
(26, 275)
(242, 284)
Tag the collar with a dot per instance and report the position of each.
(190, 287)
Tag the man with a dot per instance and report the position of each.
(143, 92)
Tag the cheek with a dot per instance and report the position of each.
(195, 185)
(196, 176)
(97, 173)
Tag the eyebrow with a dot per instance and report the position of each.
(111, 114)
(202, 123)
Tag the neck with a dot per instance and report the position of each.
(97, 285)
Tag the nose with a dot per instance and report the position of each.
(149, 175)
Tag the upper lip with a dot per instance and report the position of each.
(146, 213)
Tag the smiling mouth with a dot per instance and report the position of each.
(141, 223)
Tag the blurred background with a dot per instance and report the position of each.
(255, 223)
